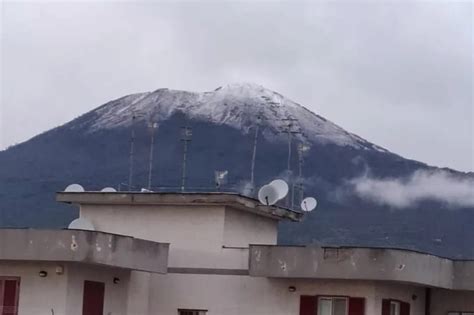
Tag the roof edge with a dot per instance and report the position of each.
(187, 198)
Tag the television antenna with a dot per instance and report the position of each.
(268, 195)
(303, 148)
(309, 204)
(108, 189)
(254, 153)
(186, 135)
(281, 187)
(291, 131)
(220, 178)
(132, 148)
(151, 126)
(74, 188)
(81, 224)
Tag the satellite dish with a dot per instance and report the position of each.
(144, 190)
(281, 187)
(74, 188)
(309, 204)
(268, 195)
(81, 224)
(108, 189)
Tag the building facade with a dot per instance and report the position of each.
(213, 254)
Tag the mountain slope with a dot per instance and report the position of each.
(94, 150)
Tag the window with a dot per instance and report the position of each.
(93, 298)
(394, 308)
(332, 306)
(9, 292)
(191, 312)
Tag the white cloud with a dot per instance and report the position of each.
(422, 185)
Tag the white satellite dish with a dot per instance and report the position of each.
(281, 187)
(268, 195)
(108, 189)
(74, 188)
(309, 204)
(144, 190)
(81, 224)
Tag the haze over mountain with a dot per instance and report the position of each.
(367, 195)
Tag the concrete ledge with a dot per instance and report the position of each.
(209, 271)
(189, 199)
(86, 247)
(360, 264)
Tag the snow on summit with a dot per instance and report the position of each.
(237, 105)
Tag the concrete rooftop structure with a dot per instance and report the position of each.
(189, 199)
(83, 247)
(371, 264)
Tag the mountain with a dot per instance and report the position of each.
(94, 149)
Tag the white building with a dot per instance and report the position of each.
(212, 254)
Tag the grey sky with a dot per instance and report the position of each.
(398, 74)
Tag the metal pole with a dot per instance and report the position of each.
(186, 137)
(152, 142)
(254, 154)
(288, 130)
(293, 195)
(132, 144)
(300, 174)
(289, 149)
(183, 174)
(302, 148)
(289, 169)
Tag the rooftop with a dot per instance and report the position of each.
(84, 247)
(235, 200)
(357, 263)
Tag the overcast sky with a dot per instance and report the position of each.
(398, 74)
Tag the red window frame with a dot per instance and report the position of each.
(9, 309)
(93, 298)
(404, 306)
(309, 304)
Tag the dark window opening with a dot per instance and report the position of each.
(9, 295)
(93, 298)
(395, 307)
(331, 305)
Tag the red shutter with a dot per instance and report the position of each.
(404, 308)
(308, 305)
(93, 298)
(10, 297)
(356, 306)
(385, 307)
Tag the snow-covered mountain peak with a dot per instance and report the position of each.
(237, 105)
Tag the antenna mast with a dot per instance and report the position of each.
(186, 134)
(132, 144)
(254, 154)
(152, 126)
(289, 130)
(302, 148)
